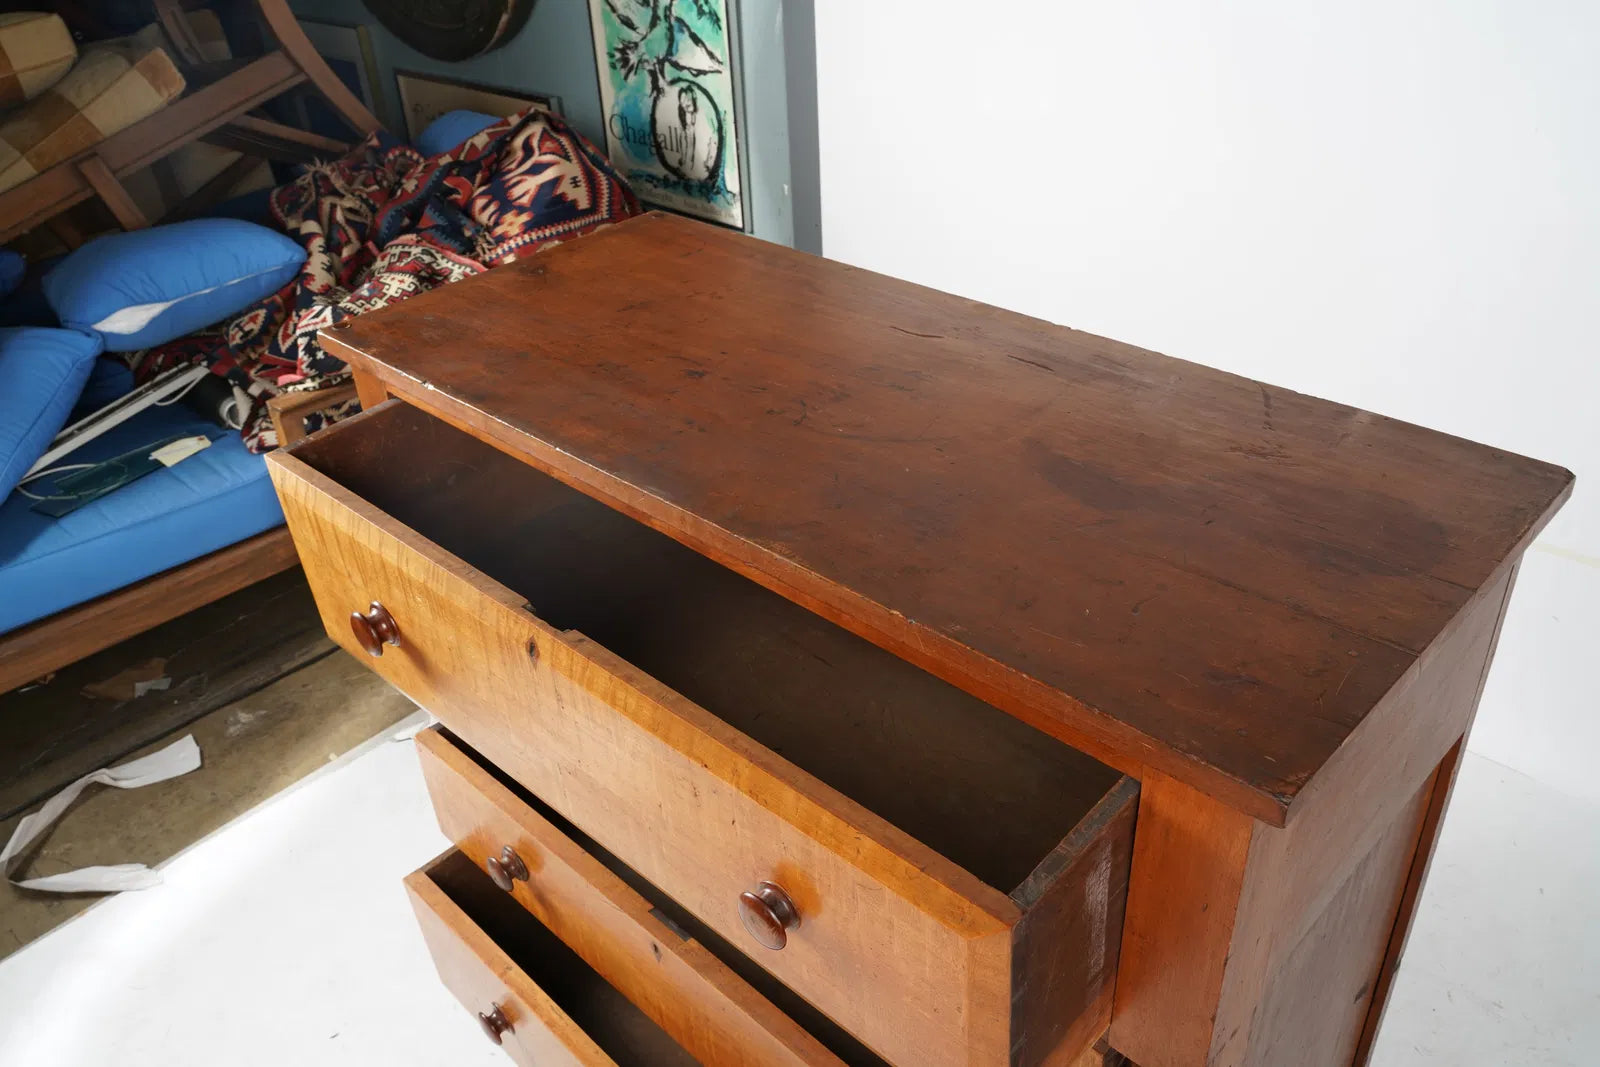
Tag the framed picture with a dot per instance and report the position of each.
(667, 94)
(348, 52)
(424, 97)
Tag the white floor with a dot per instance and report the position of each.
(286, 939)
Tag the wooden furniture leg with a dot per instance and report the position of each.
(108, 189)
(369, 388)
(289, 410)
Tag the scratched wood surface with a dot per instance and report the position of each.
(1163, 564)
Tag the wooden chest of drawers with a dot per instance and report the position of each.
(833, 670)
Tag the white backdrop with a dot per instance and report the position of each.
(1393, 204)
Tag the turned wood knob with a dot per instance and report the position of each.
(768, 914)
(375, 629)
(494, 1023)
(507, 869)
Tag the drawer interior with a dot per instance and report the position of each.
(987, 791)
(621, 1030)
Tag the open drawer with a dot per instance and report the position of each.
(679, 974)
(532, 995)
(941, 880)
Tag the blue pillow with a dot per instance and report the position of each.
(12, 268)
(150, 286)
(450, 129)
(42, 371)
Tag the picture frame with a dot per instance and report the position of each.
(347, 49)
(669, 96)
(424, 97)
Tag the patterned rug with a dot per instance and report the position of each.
(385, 223)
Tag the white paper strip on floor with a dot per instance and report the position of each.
(178, 758)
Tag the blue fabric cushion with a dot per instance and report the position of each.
(450, 129)
(150, 286)
(42, 371)
(12, 268)
(213, 499)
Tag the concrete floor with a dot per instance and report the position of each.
(251, 750)
(286, 938)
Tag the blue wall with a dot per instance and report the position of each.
(554, 54)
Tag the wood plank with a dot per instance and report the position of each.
(252, 124)
(274, 140)
(1165, 565)
(50, 644)
(214, 655)
(689, 994)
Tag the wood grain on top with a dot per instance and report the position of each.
(1161, 563)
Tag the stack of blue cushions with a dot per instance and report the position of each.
(121, 293)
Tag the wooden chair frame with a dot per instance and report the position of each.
(217, 111)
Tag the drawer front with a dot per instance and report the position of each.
(691, 804)
(690, 994)
(531, 1027)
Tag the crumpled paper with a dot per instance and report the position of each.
(178, 758)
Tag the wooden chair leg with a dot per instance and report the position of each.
(292, 39)
(171, 15)
(108, 189)
(67, 231)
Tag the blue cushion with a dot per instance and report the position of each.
(150, 286)
(42, 371)
(213, 499)
(450, 129)
(12, 268)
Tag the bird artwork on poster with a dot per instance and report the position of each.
(667, 89)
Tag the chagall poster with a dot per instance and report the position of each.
(666, 84)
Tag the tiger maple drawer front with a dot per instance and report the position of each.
(869, 834)
(531, 994)
(703, 1005)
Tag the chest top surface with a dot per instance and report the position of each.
(1162, 563)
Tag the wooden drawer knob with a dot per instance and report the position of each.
(768, 914)
(375, 629)
(494, 1023)
(507, 869)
